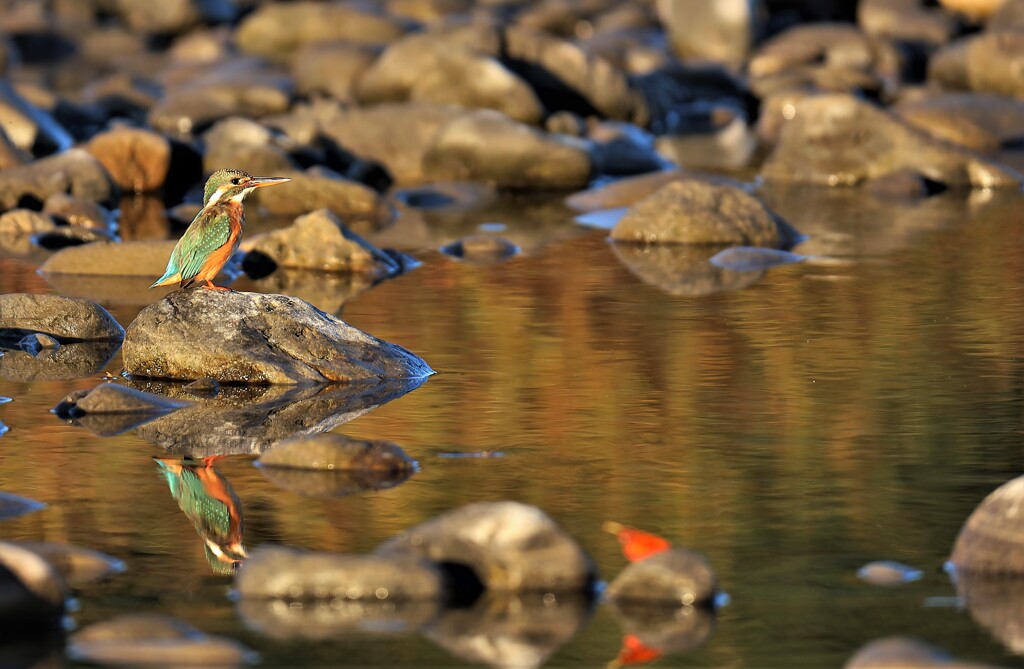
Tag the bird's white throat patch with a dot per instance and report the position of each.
(223, 190)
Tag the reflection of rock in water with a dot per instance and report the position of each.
(71, 361)
(327, 291)
(997, 604)
(211, 504)
(507, 630)
(334, 484)
(249, 420)
(682, 269)
(666, 629)
(325, 619)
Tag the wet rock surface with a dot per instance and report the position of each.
(254, 338)
(509, 547)
(64, 318)
(71, 361)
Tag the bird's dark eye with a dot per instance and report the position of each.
(236, 181)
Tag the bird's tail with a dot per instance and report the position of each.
(170, 276)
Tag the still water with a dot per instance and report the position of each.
(806, 421)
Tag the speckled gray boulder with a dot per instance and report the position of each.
(256, 338)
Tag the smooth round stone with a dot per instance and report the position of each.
(676, 576)
(887, 573)
(336, 452)
(992, 539)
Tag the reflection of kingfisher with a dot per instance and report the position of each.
(213, 507)
(214, 234)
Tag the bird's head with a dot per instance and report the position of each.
(224, 185)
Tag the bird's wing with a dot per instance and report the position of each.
(208, 232)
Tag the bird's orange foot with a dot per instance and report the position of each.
(209, 286)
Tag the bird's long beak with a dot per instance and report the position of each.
(260, 182)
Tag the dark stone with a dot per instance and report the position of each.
(507, 546)
(484, 249)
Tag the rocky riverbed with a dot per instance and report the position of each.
(743, 274)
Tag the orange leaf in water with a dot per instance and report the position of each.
(637, 544)
(635, 651)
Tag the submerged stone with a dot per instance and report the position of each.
(676, 576)
(664, 629)
(278, 572)
(326, 620)
(71, 361)
(682, 269)
(332, 483)
(753, 258)
(888, 573)
(995, 603)
(508, 546)
(484, 249)
(254, 338)
(897, 652)
(36, 343)
(64, 318)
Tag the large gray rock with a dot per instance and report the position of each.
(153, 639)
(396, 135)
(74, 171)
(488, 146)
(676, 576)
(839, 140)
(277, 572)
(278, 29)
(698, 212)
(32, 592)
(510, 547)
(722, 31)
(319, 241)
(992, 539)
(137, 159)
(425, 68)
(64, 318)
(253, 338)
(989, 61)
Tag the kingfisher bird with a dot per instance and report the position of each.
(211, 504)
(215, 232)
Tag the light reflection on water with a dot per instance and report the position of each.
(824, 417)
